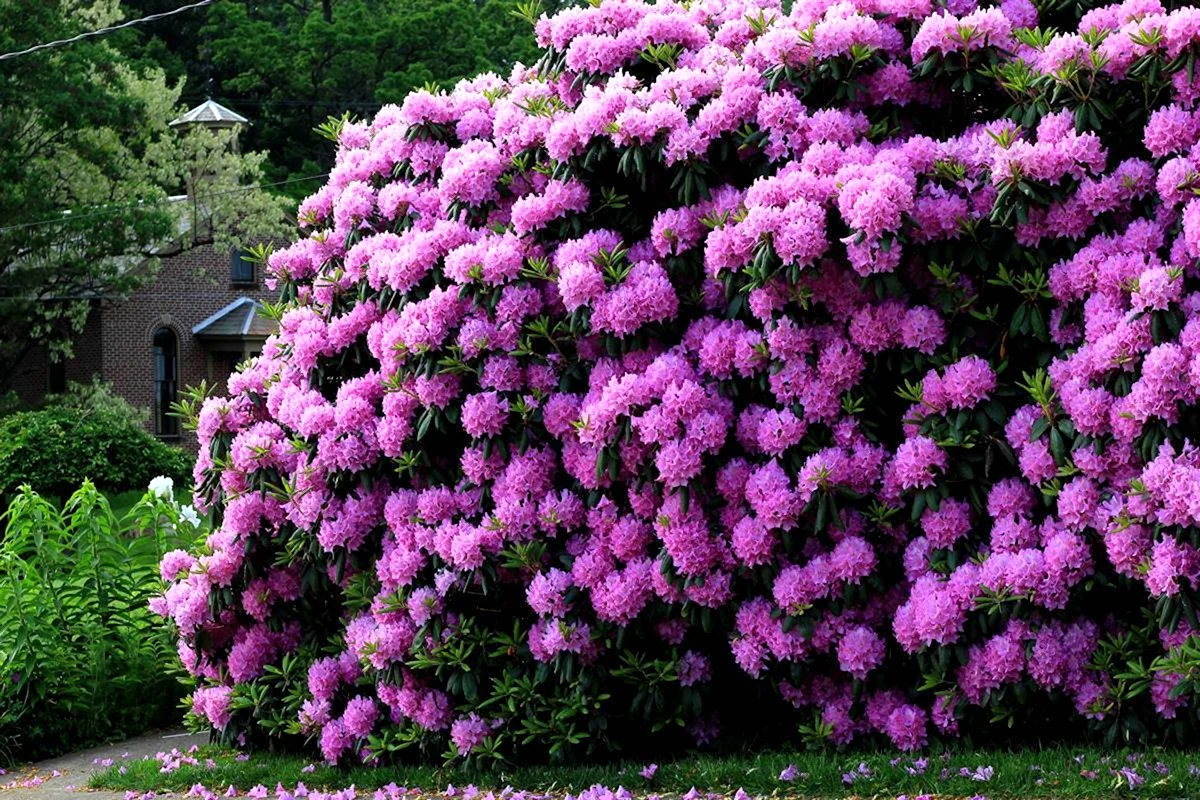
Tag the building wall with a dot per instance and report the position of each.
(117, 344)
(32, 379)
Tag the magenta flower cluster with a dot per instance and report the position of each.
(846, 356)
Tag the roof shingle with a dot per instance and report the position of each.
(238, 320)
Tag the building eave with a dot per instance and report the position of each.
(198, 329)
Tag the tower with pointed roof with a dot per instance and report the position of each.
(211, 115)
(215, 119)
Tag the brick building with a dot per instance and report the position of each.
(194, 320)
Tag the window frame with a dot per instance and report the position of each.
(236, 259)
(164, 360)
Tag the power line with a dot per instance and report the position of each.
(244, 101)
(102, 31)
(68, 217)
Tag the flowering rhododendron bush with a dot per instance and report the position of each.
(823, 372)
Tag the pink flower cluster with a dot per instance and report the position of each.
(667, 349)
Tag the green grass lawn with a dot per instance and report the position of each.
(1053, 773)
(122, 502)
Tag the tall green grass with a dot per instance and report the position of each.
(82, 659)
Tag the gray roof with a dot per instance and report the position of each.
(238, 320)
(211, 113)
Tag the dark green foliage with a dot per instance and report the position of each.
(98, 397)
(57, 107)
(56, 449)
(289, 66)
(82, 658)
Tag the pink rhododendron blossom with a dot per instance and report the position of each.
(739, 349)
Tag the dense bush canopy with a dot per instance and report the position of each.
(57, 448)
(731, 371)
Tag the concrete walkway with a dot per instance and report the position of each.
(76, 769)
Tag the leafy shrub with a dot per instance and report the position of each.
(55, 449)
(825, 373)
(98, 396)
(82, 659)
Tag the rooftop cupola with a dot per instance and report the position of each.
(211, 115)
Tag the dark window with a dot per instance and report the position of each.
(166, 374)
(242, 271)
(58, 377)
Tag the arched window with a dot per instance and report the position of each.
(166, 373)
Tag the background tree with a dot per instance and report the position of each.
(89, 167)
(291, 65)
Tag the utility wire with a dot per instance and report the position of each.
(102, 31)
(243, 101)
(68, 217)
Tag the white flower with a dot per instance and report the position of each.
(163, 487)
(188, 514)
